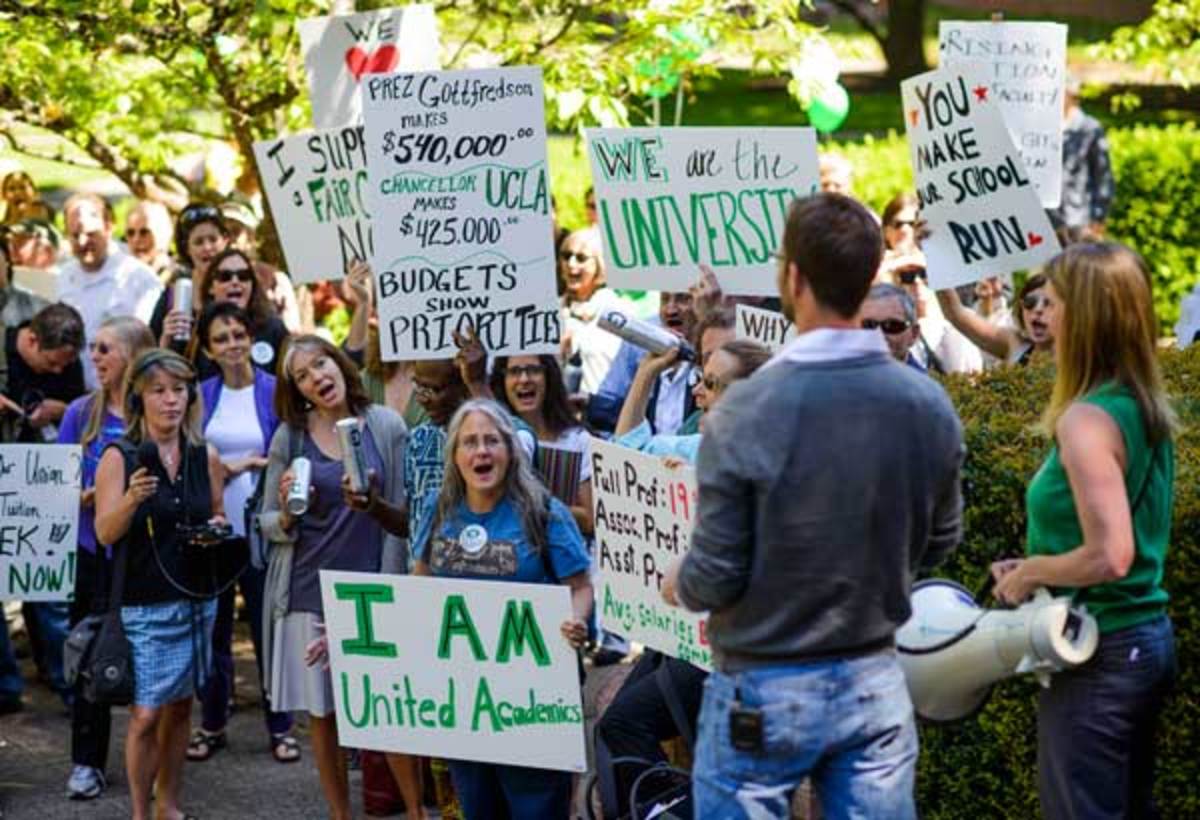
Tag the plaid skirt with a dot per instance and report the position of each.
(172, 648)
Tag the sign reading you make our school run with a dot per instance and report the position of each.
(460, 202)
(644, 513)
(465, 670)
(316, 182)
(39, 521)
(339, 51)
(769, 328)
(1025, 65)
(975, 193)
(673, 198)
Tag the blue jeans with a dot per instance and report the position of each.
(1097, 726)
(11, 682)
(847, 724)
(51, 626)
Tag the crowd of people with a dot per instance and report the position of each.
(828, 473)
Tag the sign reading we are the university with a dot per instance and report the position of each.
(644, 512)
(39, 520)
(460, 203)
(976, 195)
(458, 669)
(671, 199)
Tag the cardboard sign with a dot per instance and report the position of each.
(464, 670)
(316, 182)
(770, 329)
(975, 193)
(341, 49)
(460, 201)
(672, 198)
(644, 513)
(39, 521)
(1025, 65)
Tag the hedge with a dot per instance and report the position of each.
(986, 767)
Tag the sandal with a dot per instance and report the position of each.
(204, 745)
(285, 749)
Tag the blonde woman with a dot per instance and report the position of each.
(1099, 527)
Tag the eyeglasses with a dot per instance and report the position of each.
(911, 275)
(99, 347)
(576, 256)
(225, 276)
(429, 390)
(1034, 301)
(903, 223)
(138, 232)
(192, 214)
(889, 326)
(529, 370)
(713, 385)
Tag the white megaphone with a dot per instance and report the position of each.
(952, 650)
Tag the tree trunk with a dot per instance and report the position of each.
(903, 46)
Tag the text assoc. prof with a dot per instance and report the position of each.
(435, 91)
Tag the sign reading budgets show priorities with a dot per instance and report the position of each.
(465, 670)
(644, 513)
(1025, 65)
(39, 520)
(983, 213)
(461, 207)
(672, 198)
(317, 185)
(340, 50)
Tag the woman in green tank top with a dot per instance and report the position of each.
(1099, 513)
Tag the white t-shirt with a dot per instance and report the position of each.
(234, 431)
(596, 347)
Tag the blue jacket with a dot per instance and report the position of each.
(264, 396)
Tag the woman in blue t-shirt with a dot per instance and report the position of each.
(495, 521)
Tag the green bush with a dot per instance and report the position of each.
(986, 767)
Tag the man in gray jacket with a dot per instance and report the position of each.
(827, 481)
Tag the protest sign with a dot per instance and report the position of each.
(1025, 66)
(339, 50)
(975, 194)
(460, 201)
(770, 329)
(457, 669)
(39, 521)
(316, 183)
(670, 199)
(644, 513)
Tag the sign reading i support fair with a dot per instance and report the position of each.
(39, 521)
(673, 198)
(460, 201)
(340, 50)
(316, 183)
(1025, 66)
(769, 328)
(975, 193)
(464, 670)
(644, 514)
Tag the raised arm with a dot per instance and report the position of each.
(637, 400)
(998, 341)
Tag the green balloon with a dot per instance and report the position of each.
(828, 110)
(660, 75)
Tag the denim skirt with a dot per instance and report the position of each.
(172, 648)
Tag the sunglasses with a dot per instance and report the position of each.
(99, 347)
(910, 275)
(241, 274)
(889, 326)
(575, 256)
(530, 370)
(713, 385)
(198, 213)
(903, 223)
(138, 232)
(1033, 301)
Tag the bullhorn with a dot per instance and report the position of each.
(952, 650)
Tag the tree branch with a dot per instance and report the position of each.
(862, 17)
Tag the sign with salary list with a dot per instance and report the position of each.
(1025, 65)
(460, 200)
(644, 513)
(464, 670)
(339, 50)
(769, 328)
(983, 214)
(39, 521)
(673, 198)
(316, 183)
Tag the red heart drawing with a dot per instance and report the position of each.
(914, 115)
(1034, 239)
(379, 61)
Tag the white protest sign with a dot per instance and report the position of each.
(1025, 65)
(769, 328)
(460, 201)
(316, 182)
(341, 49)
(983, 214)
(670, 199)
(644, 514)
(457, 669)
(39, 520)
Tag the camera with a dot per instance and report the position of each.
(204, 536)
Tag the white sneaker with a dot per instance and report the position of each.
(85, 783)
